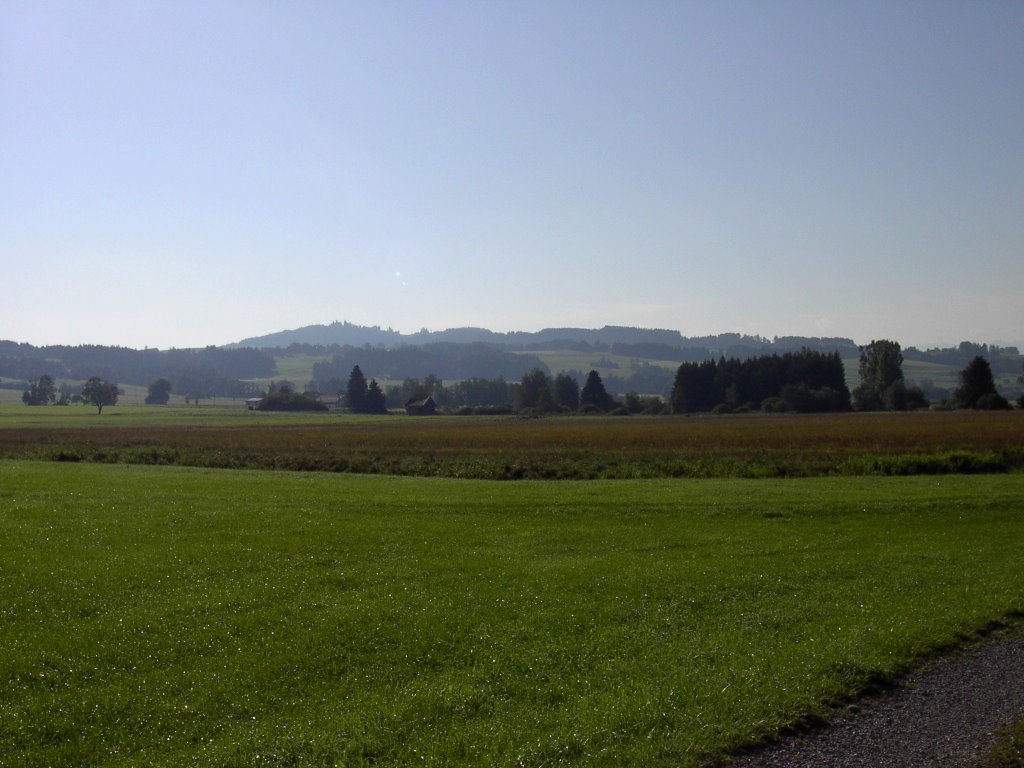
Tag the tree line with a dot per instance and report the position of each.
(883, 386)
(95, 391)
(809, 381)
(804, 381)
(535, 392)
(798, 381)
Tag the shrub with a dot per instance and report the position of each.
(993, 401)
(286, 400)
(493, 410)
(917, 400)
(774, 405)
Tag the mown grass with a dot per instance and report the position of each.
(166, 616)
(754, 446)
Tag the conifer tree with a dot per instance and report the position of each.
(376, 400)
(594, 393)
(355, 393)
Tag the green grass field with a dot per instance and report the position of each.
(170, 616)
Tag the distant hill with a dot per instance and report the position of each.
(335, 334)
(206, 372)
(345, 334)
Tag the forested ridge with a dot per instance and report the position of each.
(200, 372)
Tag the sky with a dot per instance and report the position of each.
(179, 174)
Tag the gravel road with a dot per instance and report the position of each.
(947, 713)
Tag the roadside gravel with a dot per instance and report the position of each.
(947, 713)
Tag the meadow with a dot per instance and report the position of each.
(168, 616)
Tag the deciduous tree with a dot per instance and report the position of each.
(881, 368)
(99, 393)
(40, 391)
(976, 383)
(159, 392)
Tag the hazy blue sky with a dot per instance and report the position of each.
(182, 174)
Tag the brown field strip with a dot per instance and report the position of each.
(748, 445)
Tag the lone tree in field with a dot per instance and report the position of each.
(881, 377)
(159, 392)
(99, 393)
(977, 387)
(40, 391)
(355, 392)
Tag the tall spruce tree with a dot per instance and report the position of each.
(355, 392)
(376, 400)
(594, 393)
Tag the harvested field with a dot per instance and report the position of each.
(554, 448)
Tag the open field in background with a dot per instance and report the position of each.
(753, 445)
(916, 371)
(166, 616)
(298, 369)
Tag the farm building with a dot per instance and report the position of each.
(421, 407)
(253, 403)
